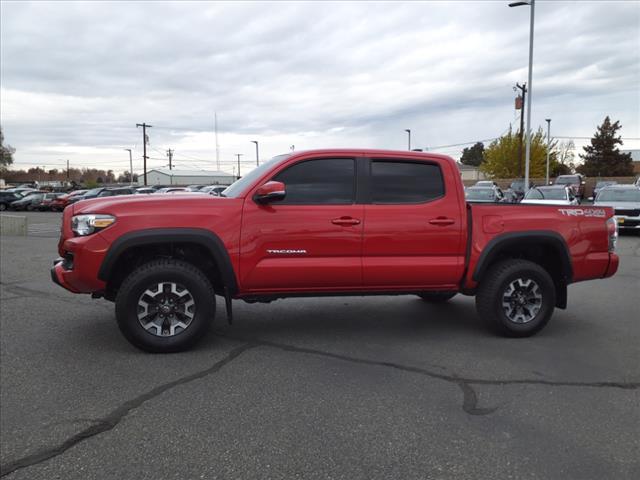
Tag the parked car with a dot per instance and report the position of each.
(145, 190)
(486, 183)
(47, 200)
(517, 187)
(6, 198)
(112, 192)
(172, 189)
(625, 200)
(28, 202)
(21, 191)
(214, 189)
(484, 195)
(195, 188)
(89, 194)
(297, 225)
(577, 183)
(600, 185)
(551, 195)
(62, 201)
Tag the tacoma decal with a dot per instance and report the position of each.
(288, 252)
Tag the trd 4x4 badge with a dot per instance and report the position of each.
(582, 212)
(288, 252)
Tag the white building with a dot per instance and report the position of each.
(164, 176)
(469, 172)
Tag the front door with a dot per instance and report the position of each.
(311, 240)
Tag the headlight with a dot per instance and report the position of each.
(87, 224)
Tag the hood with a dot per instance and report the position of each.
(168, 202)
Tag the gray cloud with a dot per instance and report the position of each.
(76, 77)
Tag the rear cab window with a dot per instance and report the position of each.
(405, 181)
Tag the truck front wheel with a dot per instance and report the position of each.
(165, 306)
(516, 298)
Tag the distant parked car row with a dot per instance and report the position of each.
(27, 198)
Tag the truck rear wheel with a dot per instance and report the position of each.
(516, 298)
(165, 306)
(436, 297)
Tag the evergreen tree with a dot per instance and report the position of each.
(602, 158)
(473, 155)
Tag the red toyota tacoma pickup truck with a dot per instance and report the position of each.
(328, 222)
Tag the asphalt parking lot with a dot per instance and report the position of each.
(341, 388)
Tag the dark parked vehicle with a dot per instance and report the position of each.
(93, 193)
(145, 190)
(484, 195)
(576, 182)
(6, 198)
(29, 202)
(112, 192)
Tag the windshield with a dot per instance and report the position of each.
(619, 195)
(240, 185)
(480, 194)
(604, 184)
(93, 192)
(546, 194)
(568, 180)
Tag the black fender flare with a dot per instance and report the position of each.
(157, 236)
(499, 243)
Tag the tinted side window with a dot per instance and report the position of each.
(405, 182)
(326, 181)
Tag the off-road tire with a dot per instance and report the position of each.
(437, 297)
(150, 274)
(495, 285)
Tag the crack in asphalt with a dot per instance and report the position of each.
(113, 419)
(470, 397)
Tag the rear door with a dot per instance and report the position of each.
(413, 232)
(311, 240)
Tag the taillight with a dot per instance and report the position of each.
(612, 231)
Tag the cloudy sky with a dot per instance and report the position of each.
(77, 77)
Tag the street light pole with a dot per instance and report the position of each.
(257, 153)
(527, 155)
(408, 130)
(130, 167)
(548, 120)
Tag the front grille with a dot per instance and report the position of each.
(628, 212)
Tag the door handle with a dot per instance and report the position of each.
(345, 221)
(442, 221)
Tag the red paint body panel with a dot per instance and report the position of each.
(361, 247)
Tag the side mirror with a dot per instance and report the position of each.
(270, 192)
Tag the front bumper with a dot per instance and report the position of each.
(77, 270)
(627, 223)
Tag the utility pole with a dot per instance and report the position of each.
(548, 120)
(67, 170)
(144, 144)
(239, 155)
(130, 166)
(408, 130)
(170, 155)
(523, 90)
(257, 153)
